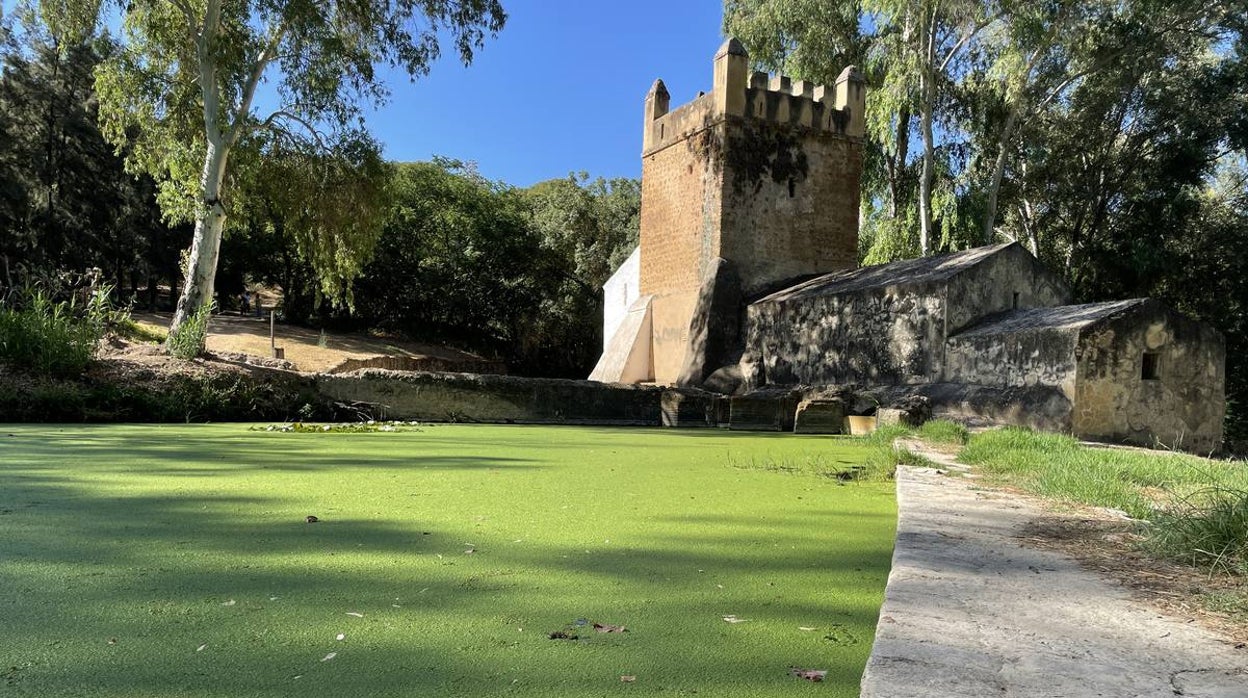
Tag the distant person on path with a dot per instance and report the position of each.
(246, 303)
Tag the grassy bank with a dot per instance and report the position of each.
(1193, 510)
(174, 560)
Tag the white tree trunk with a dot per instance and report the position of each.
(998, 172)
(201, 267)
(201, 264)
(927, 105)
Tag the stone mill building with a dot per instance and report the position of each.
(746, 280)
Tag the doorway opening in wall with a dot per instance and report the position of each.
(1152, 367)
(1016, 296)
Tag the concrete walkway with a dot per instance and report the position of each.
(970, 612)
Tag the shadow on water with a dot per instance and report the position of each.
(151, 576)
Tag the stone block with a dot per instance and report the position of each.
(914, 412)
(763, 411)
(689, 408)
(820, 417)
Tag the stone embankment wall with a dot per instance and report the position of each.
(463, 397)
(421, 363)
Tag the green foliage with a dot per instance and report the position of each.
(943, 431)
(66, 202)
(1207, 528)
(175, 398)
(49, 337)
(188, 342)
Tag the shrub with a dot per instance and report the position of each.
(188, 342)
(48, 337)
(1208, 528)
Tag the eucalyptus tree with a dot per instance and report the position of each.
(209, 94)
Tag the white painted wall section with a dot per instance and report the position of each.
(627, 358)
(619, 294)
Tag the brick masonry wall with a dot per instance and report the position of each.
(791, 202)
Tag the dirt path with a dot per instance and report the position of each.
(306, 348)
(970, 611)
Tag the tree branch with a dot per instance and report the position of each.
(253, 81)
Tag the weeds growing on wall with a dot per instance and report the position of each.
(47, 337)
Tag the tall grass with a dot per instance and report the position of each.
(53, 338)
(1193, 509)
(188, 342)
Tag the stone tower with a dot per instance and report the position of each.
(749, 186)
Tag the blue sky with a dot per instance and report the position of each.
(560, 90)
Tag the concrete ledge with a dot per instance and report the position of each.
(969, 612)
(465, 397)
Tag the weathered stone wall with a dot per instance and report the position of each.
(1183, 407)
(790, 201)
(1043, 408)
(421, 363)
(462, 397)
(763, 172)
(1027, 357)
(680, 213)
(874, 337)
(888, 325)
(990, 286)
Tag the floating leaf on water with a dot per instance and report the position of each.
(734, 619)
(815, 675)
(202, 647)
(340, 637)
(231, 602)
(628, 679)
(353, 614)
(329, 656)
(802, 627)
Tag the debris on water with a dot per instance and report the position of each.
(561, 635)
(628, 679)
(311, 519)
(353, 614)
(329, 656)
(815, 675)
(202, 647)
(607, 628)
(734, 619)
(809, 630)
(340, 637)
(231, 602)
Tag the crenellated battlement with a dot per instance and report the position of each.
(778, 99)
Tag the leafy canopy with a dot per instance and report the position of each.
(268, 83)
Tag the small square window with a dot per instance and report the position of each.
(1152, 367)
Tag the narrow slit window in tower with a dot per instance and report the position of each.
(1016, 295)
